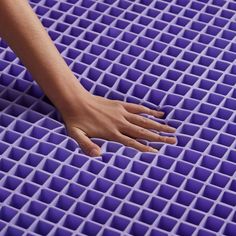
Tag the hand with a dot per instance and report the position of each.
(84, 114)
(113, 120)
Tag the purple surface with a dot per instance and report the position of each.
(179, 55)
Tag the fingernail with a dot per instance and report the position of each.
(154, 150)
(161, 112)
(171, 140)
(171, 129)
(158, 113)
(94, 153)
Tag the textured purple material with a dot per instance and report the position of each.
(179, 55)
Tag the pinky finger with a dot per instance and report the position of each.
(135, 144)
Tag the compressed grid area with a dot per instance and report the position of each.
(179, 55)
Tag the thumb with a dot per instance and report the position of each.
(87, 146)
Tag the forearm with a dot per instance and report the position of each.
(24, 33)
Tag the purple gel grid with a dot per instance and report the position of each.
(178, 55)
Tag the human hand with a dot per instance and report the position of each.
(84, 114)
(115, 121)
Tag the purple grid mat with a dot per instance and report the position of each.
(179, 55)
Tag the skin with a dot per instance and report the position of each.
(84, 114)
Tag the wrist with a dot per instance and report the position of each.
(72, 98)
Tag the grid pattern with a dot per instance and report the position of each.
(176, 54)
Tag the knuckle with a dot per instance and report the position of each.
(147, 109)
(122, 124)
(166, 127)
(118, 106)
(116, 134)
(164, 139)
(143, 120)
(159, 126)
(131, 142)
(141, 107)
(141, 131)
